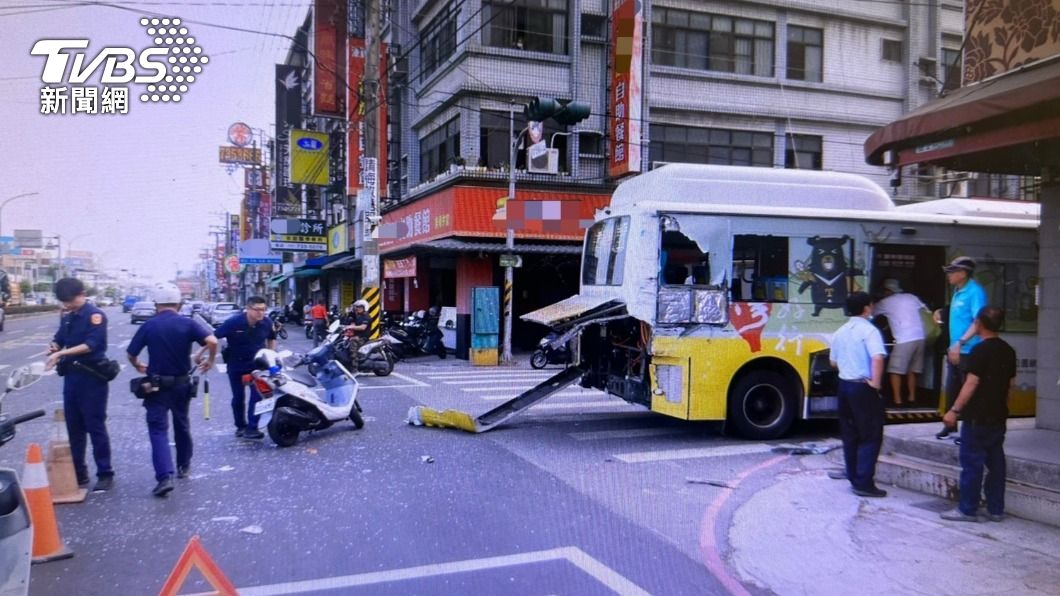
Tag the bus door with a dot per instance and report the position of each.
(917, 271)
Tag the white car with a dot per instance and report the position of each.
(222, 311)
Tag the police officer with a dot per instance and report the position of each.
(168, 338)
(78, 347)
(245, 334)
(360, 322)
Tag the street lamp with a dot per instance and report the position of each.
(8, 200)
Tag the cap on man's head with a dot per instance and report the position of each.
(960, 264)
(892, 285)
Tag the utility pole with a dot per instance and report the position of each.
(370, 282)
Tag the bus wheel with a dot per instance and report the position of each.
(761, 405)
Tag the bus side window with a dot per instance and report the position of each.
(682, 263)
(759, 269)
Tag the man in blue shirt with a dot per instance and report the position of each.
(857, 351)
(78, 347)
(968, 299)
(245, 335)
(168, 338)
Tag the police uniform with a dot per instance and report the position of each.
(85, 393)
(244, 342)
(168, 338)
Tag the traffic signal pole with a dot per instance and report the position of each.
(509, 244)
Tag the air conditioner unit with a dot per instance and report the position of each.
(544, 161)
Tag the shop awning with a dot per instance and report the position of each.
(324, 260)
(309, 272)
(347, 262)
(1009, 124)
(521, 248)
(276, 280)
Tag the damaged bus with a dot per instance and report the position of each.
(711, 292)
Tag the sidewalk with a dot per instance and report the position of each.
(808, 534)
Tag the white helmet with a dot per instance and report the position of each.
(362, 303)
(166, 294)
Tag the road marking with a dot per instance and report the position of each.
(607, 577)
(587, 393)
(32, 356)
(492, 373)
(517, 389)
(630, 433)
(124, 344)
(3, 366)
(415, 382)
(520, 379)
(583, 405)
(694, 453)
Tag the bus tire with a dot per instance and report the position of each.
(762, 405)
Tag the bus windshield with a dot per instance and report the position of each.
(605, 252)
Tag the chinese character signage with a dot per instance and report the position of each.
(240, 155)
(306, 235)
(309, 157)
(398, 268)
(329, 46)
(627, 62)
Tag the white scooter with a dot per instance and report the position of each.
(294, 401)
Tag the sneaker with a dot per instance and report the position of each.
(871, 491)
(945, 432)
(183, 471)
(164, 487)
(957, 441)
(82, 481)
(103, 484)
(240, 432)
(253, 433)
(995, 517)
(958, 515)
(837, 474)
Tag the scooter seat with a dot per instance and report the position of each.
(302, 376)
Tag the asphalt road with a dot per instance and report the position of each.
(583, 494)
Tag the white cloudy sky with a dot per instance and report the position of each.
(140, 189)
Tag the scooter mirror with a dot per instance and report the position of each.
(334, 326)
(24, 376)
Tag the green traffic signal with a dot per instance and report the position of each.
(564, 112)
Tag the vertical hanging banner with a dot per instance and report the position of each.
(329, 46)
(381, 174)
(309, 152)
(627, 64)
(288, 116)
(356, 101)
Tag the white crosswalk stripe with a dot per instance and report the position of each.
(692, 453)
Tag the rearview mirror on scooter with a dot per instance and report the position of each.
(24, 376)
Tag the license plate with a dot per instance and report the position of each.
(263, 406)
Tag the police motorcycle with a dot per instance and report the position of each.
(295, 401)
(375, 356)
(548, 352)
(16, 530)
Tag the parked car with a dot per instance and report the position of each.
(222, 311)
(127, 304)
(142, 311)
(106, 301)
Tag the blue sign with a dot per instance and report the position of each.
(310, 144)
(260, 260)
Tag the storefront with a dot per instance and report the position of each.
(436, 249)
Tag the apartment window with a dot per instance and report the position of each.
(439, 149)
(534, 25)
(802, 152)
(594, 26)
(711, 42)
(891, 50)
(951, 69)
(711, 145)
(805, 54)
(590, 143)
(438, 40)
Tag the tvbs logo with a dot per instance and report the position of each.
(166, 70)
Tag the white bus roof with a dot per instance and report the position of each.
(750, 186)
(978, 207)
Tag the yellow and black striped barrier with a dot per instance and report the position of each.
(373, 296)
(507, 298)
(896, 415)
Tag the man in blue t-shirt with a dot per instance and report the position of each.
(245, 335)
(968, 299)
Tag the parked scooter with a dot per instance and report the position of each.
(16, 531)
(417, 335)
(278, 320)
(548, 352)
(294, 402)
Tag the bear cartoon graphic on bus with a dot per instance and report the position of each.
(827, 274)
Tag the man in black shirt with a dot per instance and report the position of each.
(983, 405)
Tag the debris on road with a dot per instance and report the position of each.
(426, 459)
(253, 529)
(720, 483)
(807, 448)
(225, 469)
(229, 519)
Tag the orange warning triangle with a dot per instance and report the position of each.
(195, 555)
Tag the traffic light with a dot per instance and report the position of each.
(566, 112)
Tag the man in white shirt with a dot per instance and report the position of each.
(857, 351)
(907, 357)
